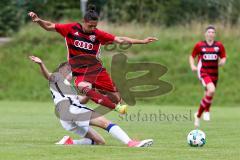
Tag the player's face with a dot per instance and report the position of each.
(89, 26)
(66, 72)
(210, 34)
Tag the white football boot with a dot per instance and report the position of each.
(206, 116)
(196, 120)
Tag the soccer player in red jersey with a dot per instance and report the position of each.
(83, 43)
(211, 54)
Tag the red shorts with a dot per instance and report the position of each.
(208, 79)
(101, 81)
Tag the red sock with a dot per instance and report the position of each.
(208, 99)
(202, 107)
(200, 111)
(99, 98)
(205, 105)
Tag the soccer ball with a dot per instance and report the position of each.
(196, 138)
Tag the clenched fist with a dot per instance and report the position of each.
(34, 16)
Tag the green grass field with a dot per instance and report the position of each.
(30, 129)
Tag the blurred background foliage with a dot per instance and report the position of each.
(178, 24)
(13, 13)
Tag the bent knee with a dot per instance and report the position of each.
(104, 123)
(211, 91)
(82, 85)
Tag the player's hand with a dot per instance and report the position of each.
(149, 40)
(194, 68)
(34, 16)
(36, 59)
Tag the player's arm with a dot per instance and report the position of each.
(47, 25)
(192, 63)
(192, 57)
(43, 68)
(223, 58)
(134, 41)
(222, 62)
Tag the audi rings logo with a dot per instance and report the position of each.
(83, 45)
(210, 56)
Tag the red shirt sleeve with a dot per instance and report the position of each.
(222, 51)
(63, 29)
(104, 37)
(196, 50)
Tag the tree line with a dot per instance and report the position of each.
(13, 13)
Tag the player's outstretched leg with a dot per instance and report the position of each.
(99, 98)
(116, 132)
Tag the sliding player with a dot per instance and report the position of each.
(77, 117)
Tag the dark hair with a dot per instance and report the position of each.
(210, 27)
(91, 14)
(60, 66)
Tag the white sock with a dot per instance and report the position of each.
(118, 133)
(84, 141)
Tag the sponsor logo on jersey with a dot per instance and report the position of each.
(210, 50)
(216, 49)
(83, 45)
(92, 38)
(210, 56)
(76, 33)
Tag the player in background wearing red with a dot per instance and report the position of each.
(85, 39)
(211, 54)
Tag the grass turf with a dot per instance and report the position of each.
(30, 129)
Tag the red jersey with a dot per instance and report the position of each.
(83, 48)
(208, 58)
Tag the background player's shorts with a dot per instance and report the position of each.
(73, 116)
(208, 79)
(101, 81)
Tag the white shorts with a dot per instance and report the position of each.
(74, 116)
